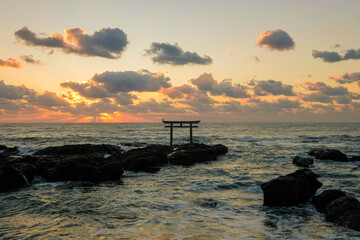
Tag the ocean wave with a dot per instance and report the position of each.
(254, 139)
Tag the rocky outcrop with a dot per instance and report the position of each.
(190, 154)
(80, 149)
(148, 159)
(3, 147)
(303, 161)
(328, 154)
(291, 189)
(339, 208)
(344, 211)
(86, 162)
(322, 200)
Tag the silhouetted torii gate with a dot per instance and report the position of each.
(180, 124)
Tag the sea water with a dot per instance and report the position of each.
(214, 200)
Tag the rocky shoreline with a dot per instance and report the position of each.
(95, 163)
(301, 186)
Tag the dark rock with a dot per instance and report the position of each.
(344, 211)
(10, 151)
(291, 189)
(28, 170)
(148, 159)
(190, 154)
(207, 202)
(328, 154)
(11, 178)
(353, 158)
(3, 147)
(72, 171)
(322, 200)
(80, 149)
(111, 172)
(303, 161)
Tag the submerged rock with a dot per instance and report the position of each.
(344, 211)
(353, 158)
(303, 161)
(291, 189)
(328, 154)
(322, 200)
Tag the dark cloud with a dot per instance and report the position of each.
(142, 81)
(335, 56)
(347, 78)
(48, 100)
(14, 92)
(324, 89)
(276, 40)
(317, 97)
(30, 59)
(180, 92)
(88, 89)
(327, 56)
(107, 42)
(10, 63)
(266, 87)
(165, 53)
(206, 82)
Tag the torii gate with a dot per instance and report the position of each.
(180, 124)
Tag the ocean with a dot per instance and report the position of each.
(214, 200)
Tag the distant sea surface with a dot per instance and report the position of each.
(179, 202)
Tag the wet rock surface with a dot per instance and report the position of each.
(303, 161)
(292, 189)
(322, 200)
(344, 211)
(328, 154)
(86, 162)
(339, 208)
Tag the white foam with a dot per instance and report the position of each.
(28, 150)
(107, 155)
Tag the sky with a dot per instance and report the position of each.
(215, 61)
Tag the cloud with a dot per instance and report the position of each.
(142, 81)
(12, 92)
(316, 97)
(206, 82)
(10, 63)
(29, 59)
(107, 42)
(276, 40)
(347, 78)
(335, 56)
(327, 56)
(165, 53)
(324, 89)
(88, 89)
(180, 92)
(266, 87)
(47, 100)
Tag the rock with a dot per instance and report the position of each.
(80, 149)
(9, 152)
(190, 154)
(73, 171)
(3, 147)
(110, 172)
(291, 189)
(353, 158)
(303, 161)
(322, 200)
(11, 178)
(148, 159)
(328, 154)
(344, 211)
(207, 202)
